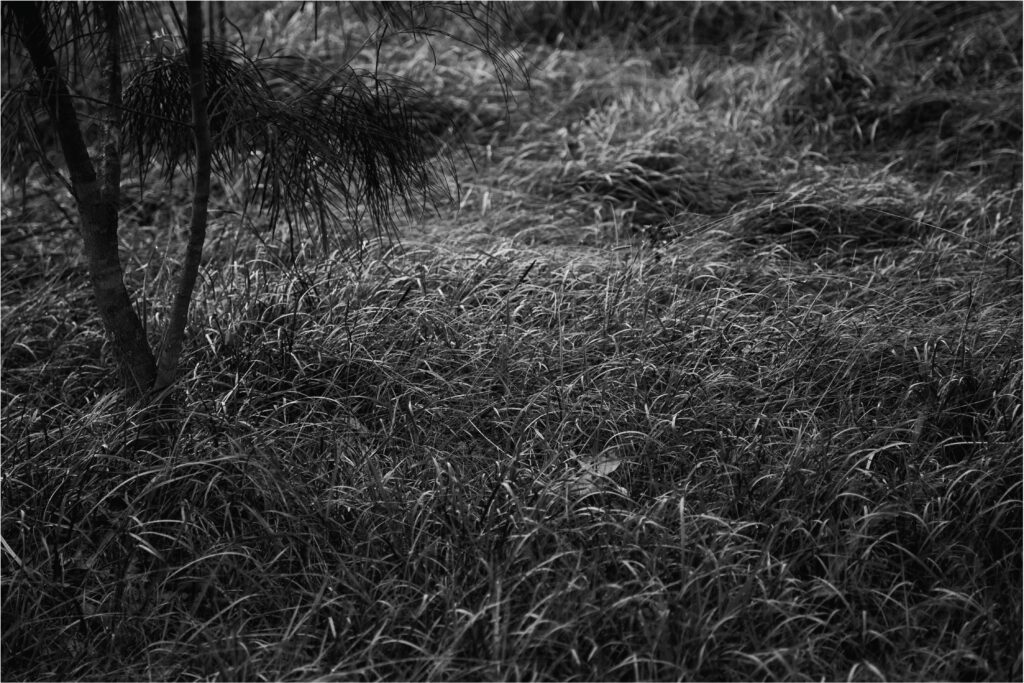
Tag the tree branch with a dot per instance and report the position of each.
(97, 204)
(54, 92)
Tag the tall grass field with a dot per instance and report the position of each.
(709, 369)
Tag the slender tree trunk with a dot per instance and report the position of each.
(216, 20)
(97, 201)
(170, 349)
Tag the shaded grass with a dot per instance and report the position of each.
(671, 394)
(393, 482)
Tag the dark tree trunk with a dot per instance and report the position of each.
(97, 199)
(216, 20)
(170, 349)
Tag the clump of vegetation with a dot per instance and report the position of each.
(315, 145)
(677, 389)
(919, 80)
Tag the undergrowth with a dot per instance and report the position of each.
(678, 389)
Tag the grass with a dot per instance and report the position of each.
(686, 385)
